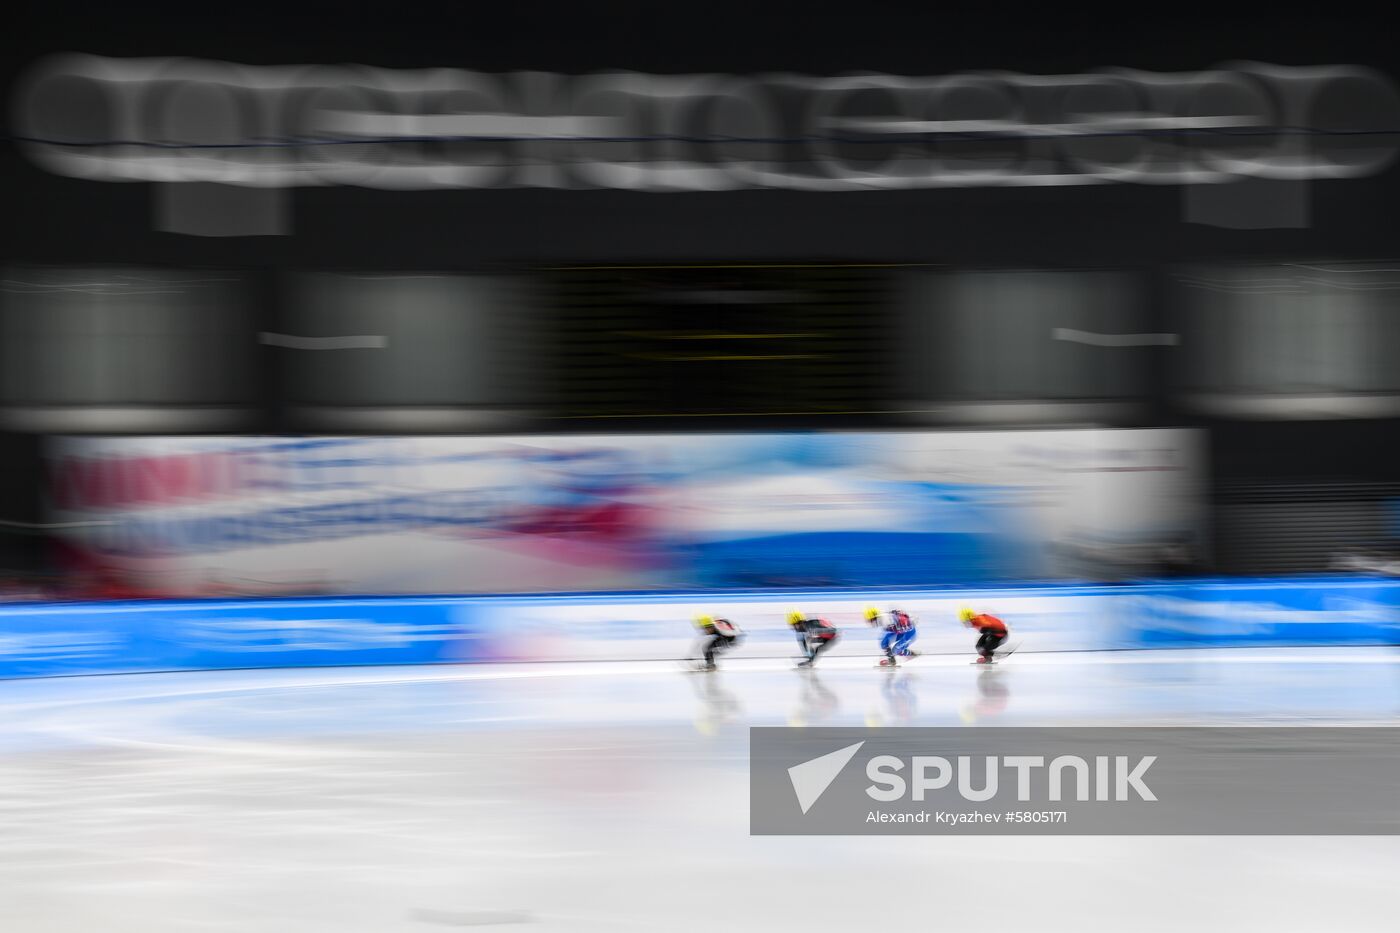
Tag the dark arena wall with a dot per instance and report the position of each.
(764, 219)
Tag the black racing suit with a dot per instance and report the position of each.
(815, 636)
(719, 635)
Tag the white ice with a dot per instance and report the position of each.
(614, 797)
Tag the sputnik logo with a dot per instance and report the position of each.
(811, 778)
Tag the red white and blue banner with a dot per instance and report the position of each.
(221, 516)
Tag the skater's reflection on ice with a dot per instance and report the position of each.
(816, 702)
(899, 700)
(716, 706)
(993, 696)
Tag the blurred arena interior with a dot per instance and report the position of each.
(384, 393)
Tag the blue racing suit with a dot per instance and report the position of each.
(899, 634)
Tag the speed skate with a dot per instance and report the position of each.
(999, 655)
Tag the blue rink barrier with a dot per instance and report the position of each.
(142, 636)
(1256, 613)
(54, 639)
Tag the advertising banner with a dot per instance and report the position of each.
(172, 635)
(1261, 613)
(220, 516)
(146, 636)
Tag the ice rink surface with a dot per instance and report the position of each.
(614, 797)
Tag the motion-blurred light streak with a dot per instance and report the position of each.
(189, 120)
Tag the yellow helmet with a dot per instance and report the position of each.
(794, 617)
(704, 621)
(871, 613)
(966, 614)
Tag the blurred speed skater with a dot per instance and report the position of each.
(992, 631)
(899, 634)
(716, 635)
(813, 635)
